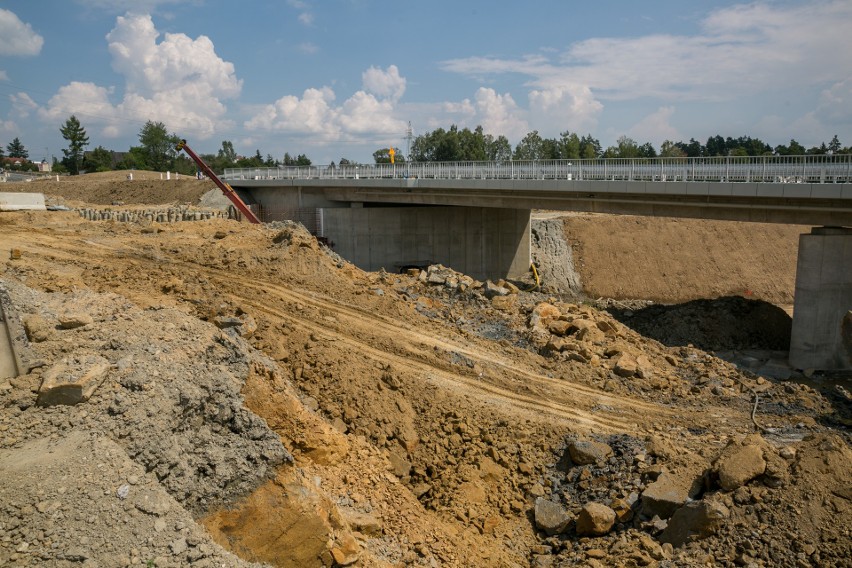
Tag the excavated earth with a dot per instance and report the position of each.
(212, 393)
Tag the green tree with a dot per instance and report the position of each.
(497, 149)
(75, 134)
(793, 149)
(300, 160)
(16, 149)
(134, 159)
(590, 148)
(531, 147)
(382, 156)
(569, 146)
(158, 146)
(834, 145)
(669, 149)
(2, 155)
(98, 160)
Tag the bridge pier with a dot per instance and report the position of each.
(483, 242)
(821, 337)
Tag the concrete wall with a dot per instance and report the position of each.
(823, 298)
(22, 202)
(478, 241)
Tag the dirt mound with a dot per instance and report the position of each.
(676, 260)
(111, 188)
(432, 420)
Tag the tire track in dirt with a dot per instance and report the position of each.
(550, 403)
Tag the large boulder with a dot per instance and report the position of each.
(739, 464)
(595, 519)
(694, 521)
(550, 517)
(668, 493)
(584, 452)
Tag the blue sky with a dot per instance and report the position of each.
(342, 78)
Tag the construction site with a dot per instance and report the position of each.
(185, 389)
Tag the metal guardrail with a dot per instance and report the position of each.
(763, 169)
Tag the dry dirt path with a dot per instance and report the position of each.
(514, 386)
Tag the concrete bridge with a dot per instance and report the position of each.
(475, 216)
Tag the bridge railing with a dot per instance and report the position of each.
(761, 169)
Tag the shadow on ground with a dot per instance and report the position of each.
(728, 323)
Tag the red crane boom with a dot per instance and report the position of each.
(226, 189)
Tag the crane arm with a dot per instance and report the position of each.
(226, 189)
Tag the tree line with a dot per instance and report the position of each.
(156, 150)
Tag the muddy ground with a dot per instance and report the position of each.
(251, 397)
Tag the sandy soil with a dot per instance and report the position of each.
(259, 399)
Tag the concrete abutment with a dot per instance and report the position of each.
(485, 243)
(823, 301)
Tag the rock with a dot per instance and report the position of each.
(399, 465)
(550, 517)
(542, 313)
(346, 552)
(244, 323)
(73, 321)
(179, 546)
(740, 466)
(364, 523)
(694, 521)
(37, 328)
(504, 302)
(491, 289)
(489, 470)
(585, 452)
(625, 366)
(72, 382)
(595, 519)
(559, 327)
(152, 503)
(623, 510)
(668, 493)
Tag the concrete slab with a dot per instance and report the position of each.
(797, 190)
(22, 202)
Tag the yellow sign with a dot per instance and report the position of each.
(392, 153)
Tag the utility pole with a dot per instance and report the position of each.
(408, 136)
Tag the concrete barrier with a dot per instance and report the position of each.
(22, 202)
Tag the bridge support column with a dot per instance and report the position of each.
(821, 337)
(483, 242)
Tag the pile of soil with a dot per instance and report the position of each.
(251, 397)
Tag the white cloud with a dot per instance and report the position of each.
(656, 127)
(305, 17)
(835, 103)
(22, 104)
(308, 48)
(315, 116)
(499, 113)
(178, 81)
(3, 76)
(573, 107)
(312, 114)
(16, 37)
(89, 102)
(387, 84)
(745, 48)
(365, 114)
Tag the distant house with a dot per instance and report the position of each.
(16, 162)
(45, 166)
